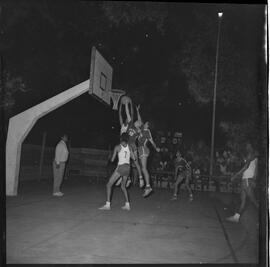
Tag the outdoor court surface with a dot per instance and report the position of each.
(46, 229)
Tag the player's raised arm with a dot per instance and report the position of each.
(152, 141)
(120, 115)
(139, 118)
(127, 112)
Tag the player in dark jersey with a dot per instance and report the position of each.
(182, 172)
(145, 137)
(133, 132)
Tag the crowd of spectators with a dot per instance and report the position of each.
(226, 161)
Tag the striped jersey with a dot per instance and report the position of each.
(182, 165)
(144, 137)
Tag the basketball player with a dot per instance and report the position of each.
(145, 137)
(124, 125)
(182, 172)
(122, 170)
(132, 130)
(249, 175)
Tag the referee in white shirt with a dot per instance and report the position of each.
(59, 165)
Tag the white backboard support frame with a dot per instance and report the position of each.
(20, 125)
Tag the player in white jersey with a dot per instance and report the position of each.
(249, 175)
(122, 170)
(124, 128)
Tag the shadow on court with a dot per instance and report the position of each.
(45, 229)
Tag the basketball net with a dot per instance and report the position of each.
(115, 95)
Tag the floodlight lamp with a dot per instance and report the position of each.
(220, 14)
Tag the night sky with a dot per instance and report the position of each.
(50, 48)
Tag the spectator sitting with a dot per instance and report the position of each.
(223, 168)
(164, 156)
(162, 140)
(196, 173)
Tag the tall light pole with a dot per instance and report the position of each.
(214, 98)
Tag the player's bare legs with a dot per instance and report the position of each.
(124, 189)
(114, 177)
(139, 172)
(178, 181)
(187, 185)
(148, 188)
(138, 167)
(243, 200)
(246, 191)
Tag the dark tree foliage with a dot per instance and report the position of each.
(130, 13)
(37, 38)
(239, 83)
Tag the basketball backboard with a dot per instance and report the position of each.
(100, 77)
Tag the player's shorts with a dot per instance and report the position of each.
(186, 175)
(248, 182)
(123, 170)
(143, 151)
(134, 149)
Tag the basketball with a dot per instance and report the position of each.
(125, 100)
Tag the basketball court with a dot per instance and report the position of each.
(44, 229)
(71, 229)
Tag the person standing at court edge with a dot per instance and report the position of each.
(59, 165)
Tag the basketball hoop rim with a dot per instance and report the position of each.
(115, 95)
(117, 91)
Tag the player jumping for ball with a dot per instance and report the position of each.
(182, 172)
(144, 137)
(122, 170)
(132, 130)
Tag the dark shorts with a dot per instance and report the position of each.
(143, 151)
(123, 170)
(186, 175)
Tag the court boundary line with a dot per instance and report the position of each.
(226, 236)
